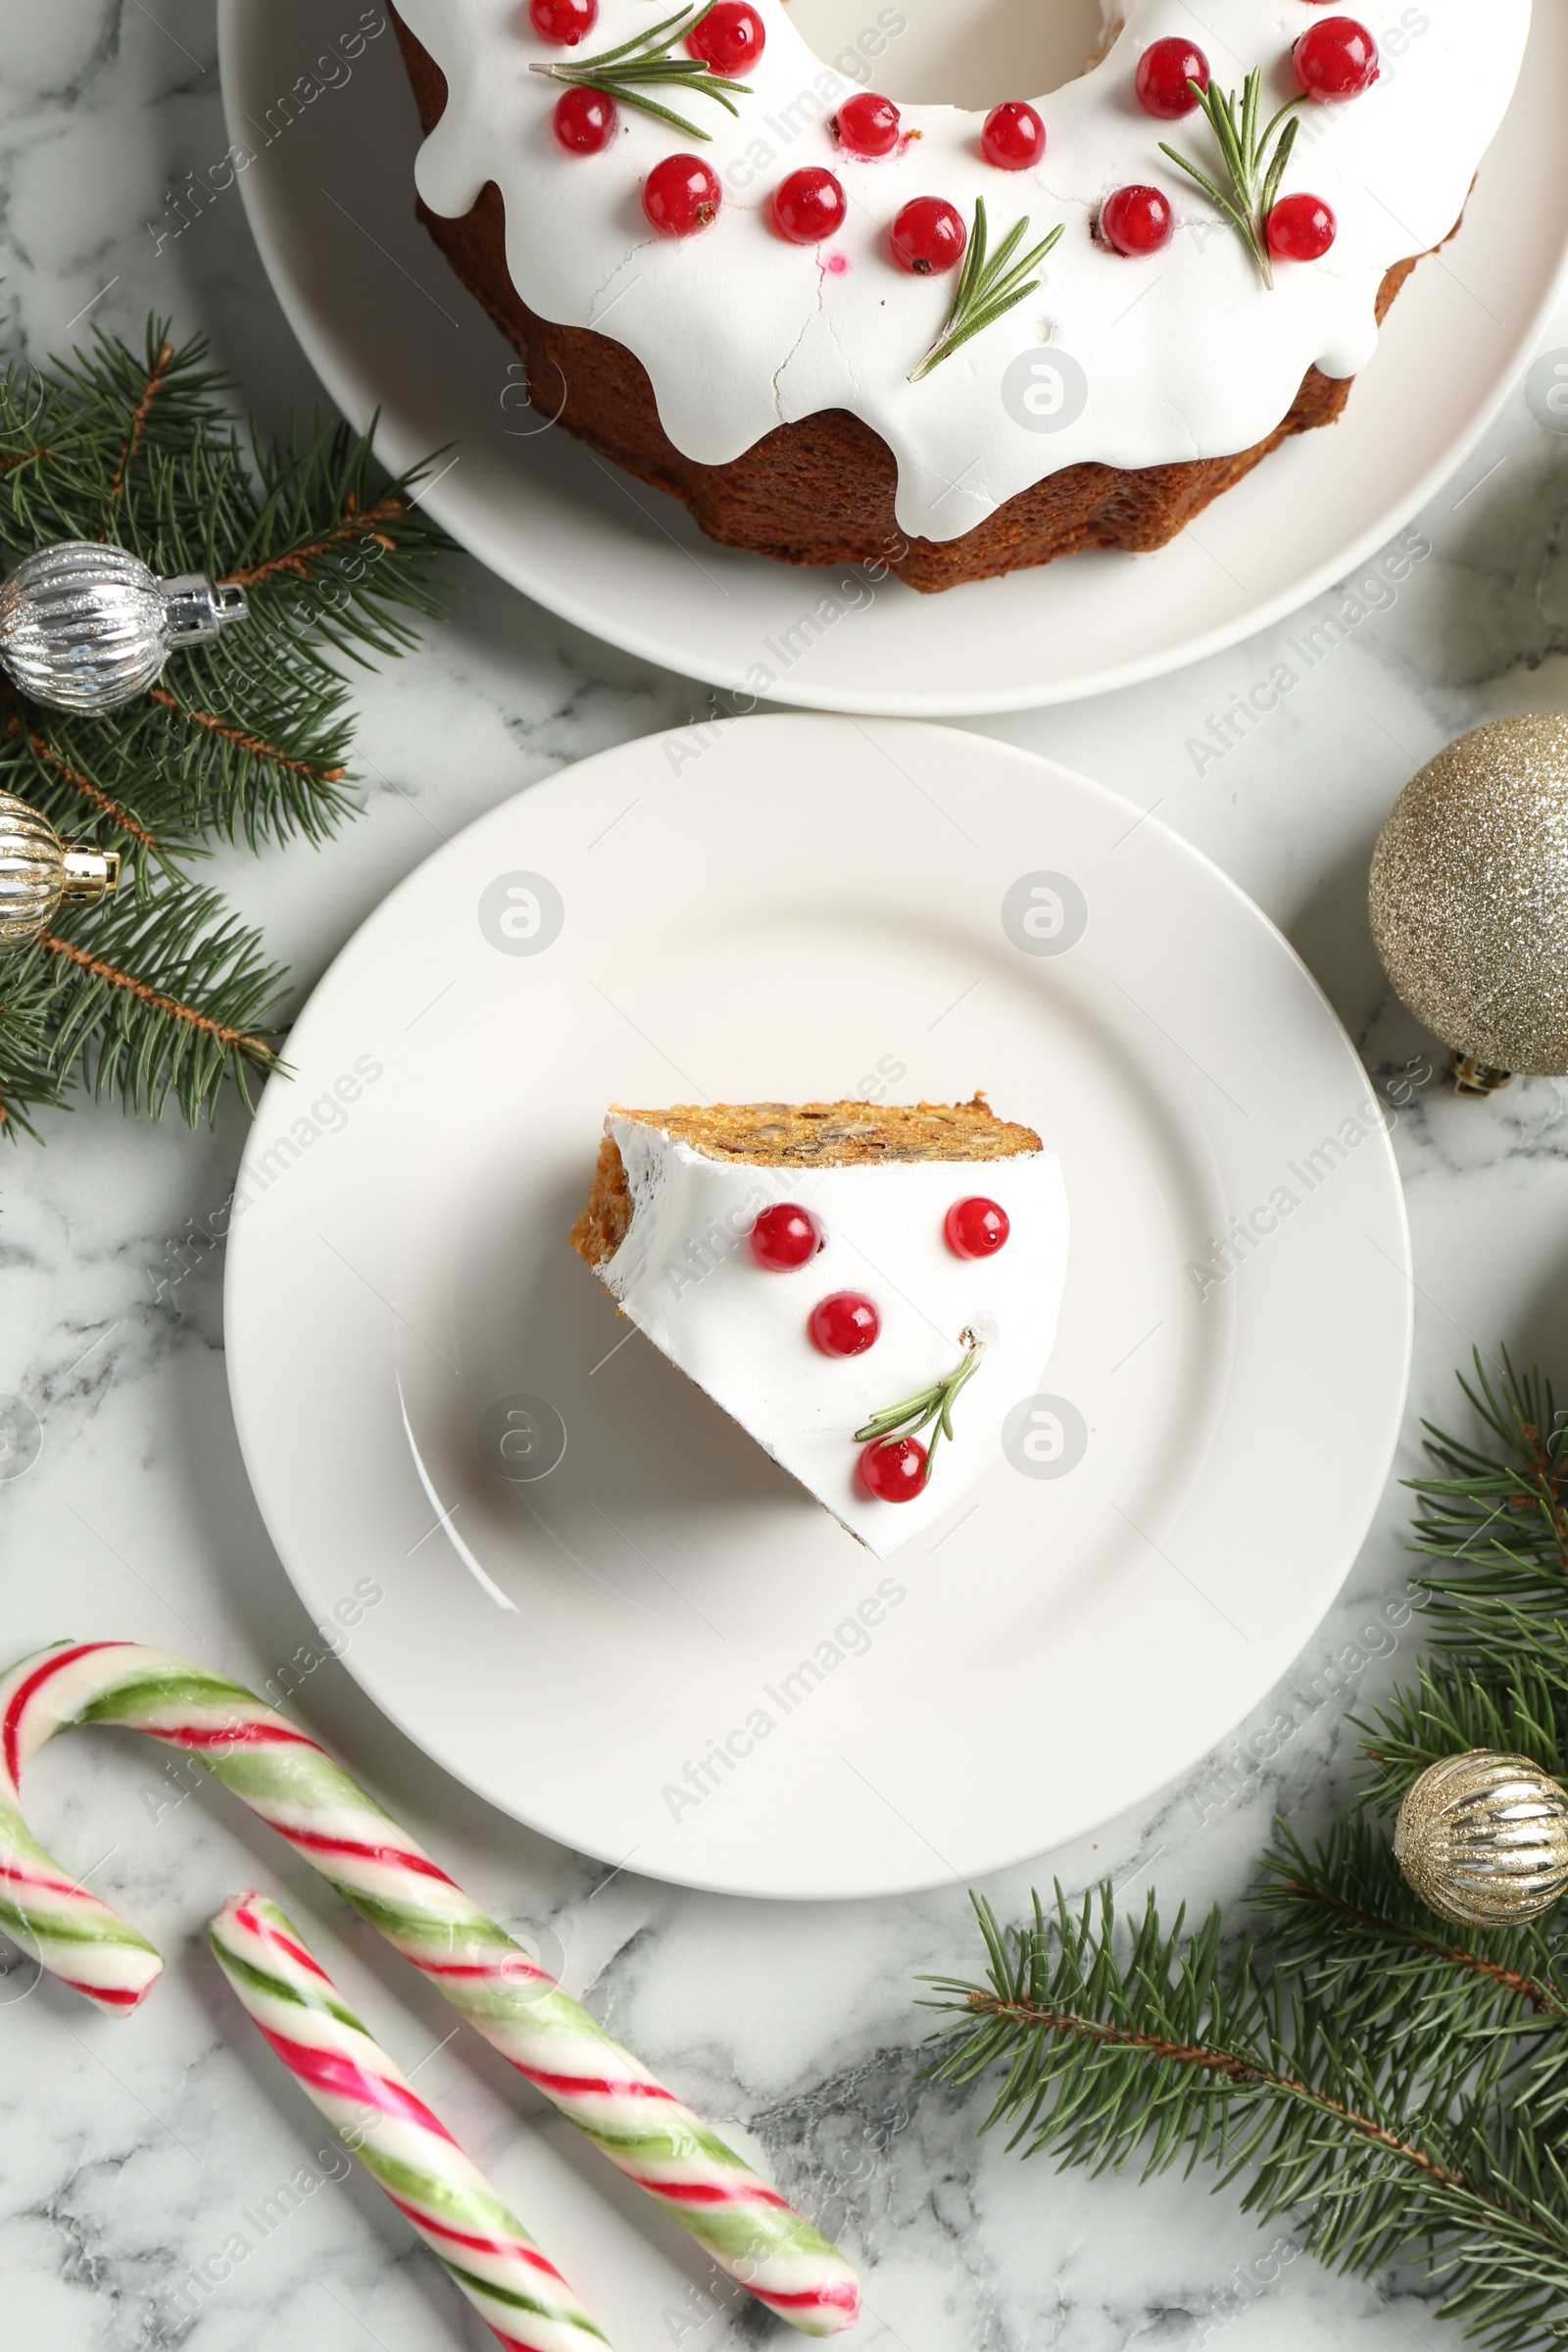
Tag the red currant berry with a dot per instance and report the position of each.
(867, 124)
(585, 121)
(730, 36)
(784, 1236)
(681, 195)
(1337, 59)
(1300, 228)
(976, 1227)
(1164, 73)
(1137, 220)
(928, 235)
(844, 1324)
(563, 21)
(893, 1469)
(1013, 136)
(808, 206)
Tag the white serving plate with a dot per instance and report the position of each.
(811, 907)
(388, 328)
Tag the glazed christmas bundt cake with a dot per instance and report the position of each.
(946, 343)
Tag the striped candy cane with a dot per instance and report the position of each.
(408, 2150)
(748, 2228)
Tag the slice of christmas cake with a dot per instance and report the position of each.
(867, 1290)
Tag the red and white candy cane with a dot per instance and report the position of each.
(746, 2225)
(370, 2104)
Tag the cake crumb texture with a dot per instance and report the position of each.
(602, 1228)
(839, 1135)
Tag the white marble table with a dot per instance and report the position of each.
(129, 2151)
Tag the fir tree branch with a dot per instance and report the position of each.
(1299, 1883)
(300, 563)
(99, 801)
(1500, 1619)
(171, 998)
(234, 1041)
(255, 745)
(1397, 2085)
(25, 456)
(1499, 1517)
(1485, 2011)
(1452, 1708)
(168, 996)
(163, 996)
(157, 369)
(1169, 2050)
(29, 1078)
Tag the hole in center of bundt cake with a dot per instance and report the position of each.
(969, 53)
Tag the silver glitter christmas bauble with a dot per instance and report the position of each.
(85, 626)
(38, 871)
(1469, 896)
(1484, 1840)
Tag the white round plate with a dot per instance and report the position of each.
(386, 326)
(813, 908)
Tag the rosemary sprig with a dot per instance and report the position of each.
(906, 1420)
(1255, 179)
(645, 63)
(988, 287)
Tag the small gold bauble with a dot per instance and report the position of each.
(1484, 1840)
(39, 872)
(1469, 896)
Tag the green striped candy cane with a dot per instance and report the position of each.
(749, 2229)
(409, 2152)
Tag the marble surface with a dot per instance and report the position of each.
(129, 2150)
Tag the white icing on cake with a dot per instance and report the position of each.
(1185, 354)
(685, 1275)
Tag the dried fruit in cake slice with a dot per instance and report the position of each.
(867, 1290)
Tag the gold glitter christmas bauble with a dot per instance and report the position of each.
(1469, 896)
(1484, 1840)
(38, 871)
